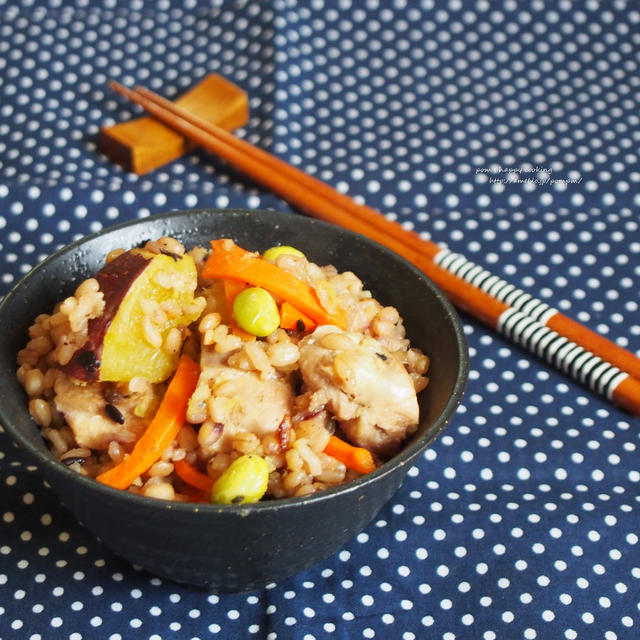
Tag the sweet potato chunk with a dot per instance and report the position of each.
(149, 299)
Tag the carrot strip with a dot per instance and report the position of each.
(192, 476)
(355, 458)
(162, 429)
(291, 317)
(231, 289)
(228, 260)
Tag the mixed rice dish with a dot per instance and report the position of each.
(221, 375)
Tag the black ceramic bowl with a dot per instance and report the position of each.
(237, 547)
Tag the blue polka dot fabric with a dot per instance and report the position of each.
(506, 131)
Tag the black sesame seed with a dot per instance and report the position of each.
(88, 361)
(300, 325)
(381, 356)
(114, 413)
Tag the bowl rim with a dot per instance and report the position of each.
(400, 460)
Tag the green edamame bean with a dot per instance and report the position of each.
(245, 480)
(272, 254)
(255, 311)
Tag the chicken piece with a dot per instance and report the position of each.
(94, 420)
(366, 387)
(240, 400)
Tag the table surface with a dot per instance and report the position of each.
(507, 131)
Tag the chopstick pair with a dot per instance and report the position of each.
(586, 356)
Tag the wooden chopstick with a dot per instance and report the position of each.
(586, 356)
(512, 297)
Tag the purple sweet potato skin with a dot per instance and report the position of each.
(114, 280)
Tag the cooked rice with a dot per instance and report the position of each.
(294, 452)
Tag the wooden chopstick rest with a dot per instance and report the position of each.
(144, 144)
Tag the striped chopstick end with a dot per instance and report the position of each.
(582, 365)
(493, 285)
